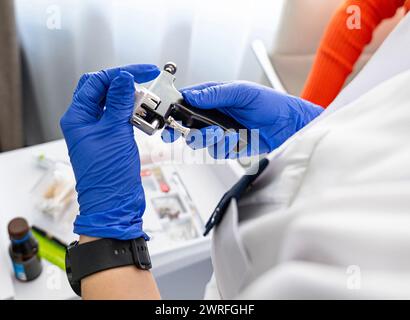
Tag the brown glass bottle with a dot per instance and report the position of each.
(23, 250)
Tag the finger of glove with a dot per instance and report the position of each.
(89, 99)
(98, 82)
(120, 97)
(169, 135)
(201, 86)
(205, 137)
(219, 96)
(141, 72)
(225, 148)
(81, 82)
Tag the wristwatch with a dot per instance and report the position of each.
(85, 259)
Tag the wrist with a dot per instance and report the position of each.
(85, 239)
(91, 260)
(122, 222)
(307, 110)
(91, 231)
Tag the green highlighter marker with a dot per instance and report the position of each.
(50, 248)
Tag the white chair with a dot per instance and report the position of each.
(297, 38)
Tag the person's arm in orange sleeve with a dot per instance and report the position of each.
(341, 47)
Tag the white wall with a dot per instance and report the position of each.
(208, 39)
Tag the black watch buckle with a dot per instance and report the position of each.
(140, 254)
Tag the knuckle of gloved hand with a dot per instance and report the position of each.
(87, 76)
(102, 75)
(97, 79)
(83, 79)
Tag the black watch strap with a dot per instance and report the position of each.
(99, 255)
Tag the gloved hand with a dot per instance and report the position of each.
(277, 116)
(104, 154)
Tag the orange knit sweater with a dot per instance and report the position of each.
(341, 47)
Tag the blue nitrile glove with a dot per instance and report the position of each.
(277, 116)
(104, 154)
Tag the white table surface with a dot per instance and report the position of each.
(19, 173)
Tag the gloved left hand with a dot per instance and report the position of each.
(104, 154)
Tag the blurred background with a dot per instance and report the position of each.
(61, 39)
(50, 43)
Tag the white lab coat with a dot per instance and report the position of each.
(330, 216)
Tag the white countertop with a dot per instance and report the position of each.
(19, 173)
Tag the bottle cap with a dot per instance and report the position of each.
(18, 228)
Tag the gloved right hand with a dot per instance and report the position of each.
(277, 116)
